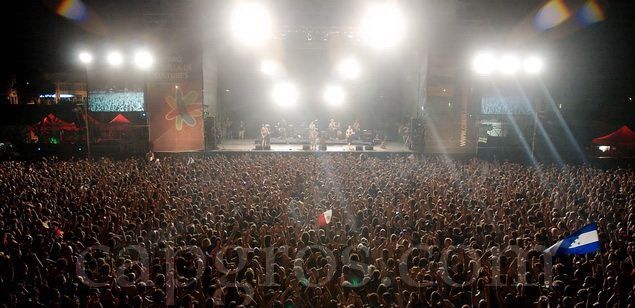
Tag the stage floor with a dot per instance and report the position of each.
(247, 145)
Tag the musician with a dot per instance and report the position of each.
(264, 134)
(332, 129)
(241, 130)
(313, 125)
(314, 137)
(356, 127)
(349, 134)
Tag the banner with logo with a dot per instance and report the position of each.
(175, 103)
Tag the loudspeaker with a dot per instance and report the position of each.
(368, 148)
(258, 147)
(267, 148)
(322, 147)
(417, 135)
(210, 134)
(359, 147)
(306, 147)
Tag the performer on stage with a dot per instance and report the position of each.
(349, 135)
(264, 134)
(356, 127)
(313, 125)
(241, 130)
(314, 138)
(333, 127)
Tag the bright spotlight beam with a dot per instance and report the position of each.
(143, 59)
(114, 58)
(484, 63)
(383, 26)
(85, 57)
(251, 24)
(270, 68)
(509, 64)
(285, 94)
(349, 68)
(334, 95)
(533, 65)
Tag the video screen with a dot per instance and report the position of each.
(116, 101)
(504, 105)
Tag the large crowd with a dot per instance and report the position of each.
(116, 101)
(243, 231)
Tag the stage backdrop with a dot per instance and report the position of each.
(175, 102)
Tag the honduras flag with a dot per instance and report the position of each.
(580, 242)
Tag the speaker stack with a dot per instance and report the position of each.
(210, 134)
(417, 131)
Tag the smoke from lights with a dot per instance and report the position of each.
(334, 95)
(251, 24)
(349, 68)
(383, 26)
(285, 94)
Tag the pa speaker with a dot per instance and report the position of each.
(267, 148)
(368, 148)
(359, 147)
(306, 147)
(258, 147)
(322, 147)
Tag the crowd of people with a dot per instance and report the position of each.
(243, 231)
(116, 101)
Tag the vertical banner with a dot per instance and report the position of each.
(175, 102)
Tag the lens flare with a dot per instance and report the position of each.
(552, 14)
(591, 12)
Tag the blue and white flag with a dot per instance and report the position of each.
(581, 242)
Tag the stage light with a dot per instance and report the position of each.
(382, 26)
(114, 58)
(484, 63)
(85, 57)
(285, 94)
(334, 95)
(143, 59)
(349, 68)
(251, 23)
(270, 68)
(508, 64)
(533, 65)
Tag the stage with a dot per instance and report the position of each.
(248, 145)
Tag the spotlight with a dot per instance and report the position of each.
(85, 57)
(382, 26)
(269, 68)
(143, 59)
(114, 58)
(285, 94)
(349, 68)
(334, 95)
(251, 23)
(484, 63)
(509, 64)
(533, 65)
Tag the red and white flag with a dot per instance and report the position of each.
(58, 232)
(325, 218)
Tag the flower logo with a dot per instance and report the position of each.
(185, 108)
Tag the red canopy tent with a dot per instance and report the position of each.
(52, 122)
(119, 119)
(623, 137)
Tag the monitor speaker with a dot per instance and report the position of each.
(368, 148)
(306, 147)
(322, 147)
(359, 148)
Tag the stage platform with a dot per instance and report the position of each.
(248, 145)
